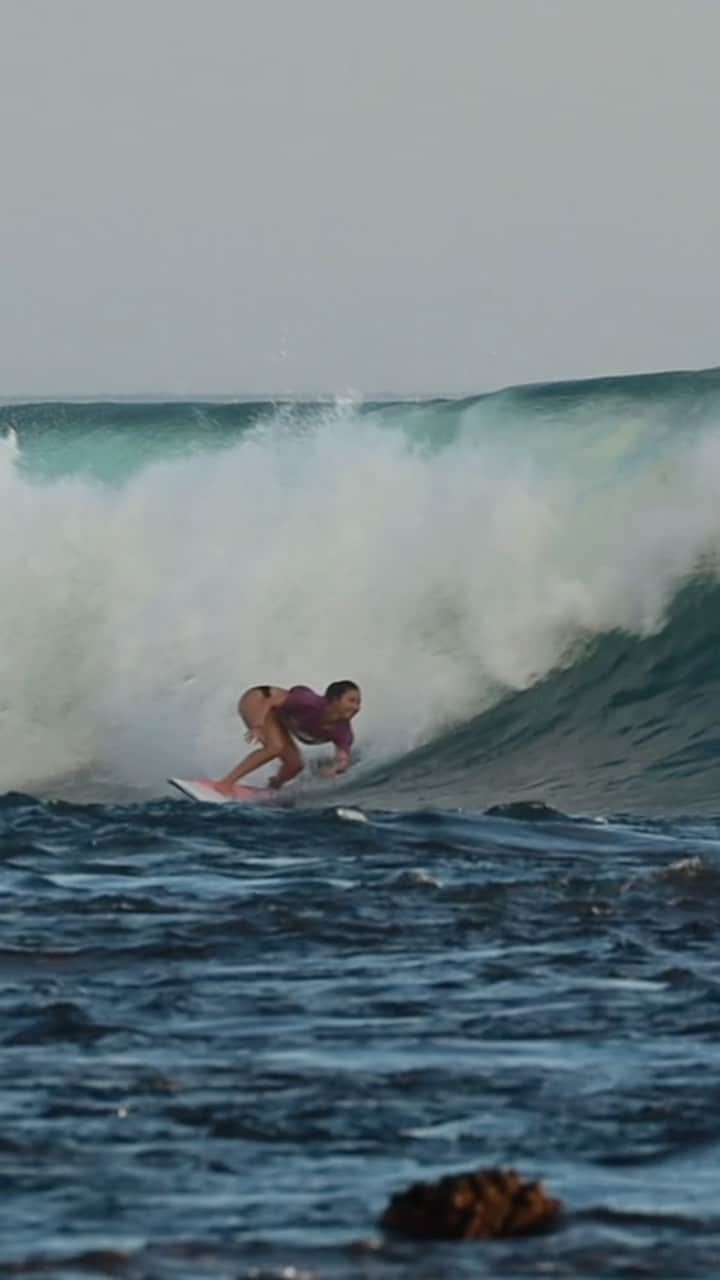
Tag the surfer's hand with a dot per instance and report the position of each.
(338, 765)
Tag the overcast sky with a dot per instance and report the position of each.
(415, 196)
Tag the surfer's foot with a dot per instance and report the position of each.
(225, 788)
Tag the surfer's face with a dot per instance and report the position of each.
(348, 704)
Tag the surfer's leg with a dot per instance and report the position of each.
(253, 707)
(291, 760)
(257, 758)
(277, 743)
(292, 765)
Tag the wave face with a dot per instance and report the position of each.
(525, 584)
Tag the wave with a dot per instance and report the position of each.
(524, 583)
(625, 723)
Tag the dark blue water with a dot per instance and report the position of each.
(228, 1034)
(228, 1037)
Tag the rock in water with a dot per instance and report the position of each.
(478, 1205)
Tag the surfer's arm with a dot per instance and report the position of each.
(339, 764)
(343, 740)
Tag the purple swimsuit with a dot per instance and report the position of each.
(303, 712)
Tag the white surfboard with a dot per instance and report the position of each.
(206, 791)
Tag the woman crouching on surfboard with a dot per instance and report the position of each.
(272, 715)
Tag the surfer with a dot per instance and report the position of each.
(275, 716)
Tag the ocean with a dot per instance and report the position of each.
(229, 1034)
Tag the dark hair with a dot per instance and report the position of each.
(338, 688)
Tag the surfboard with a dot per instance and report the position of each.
(205, 790)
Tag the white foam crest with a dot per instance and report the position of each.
(134, 617)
